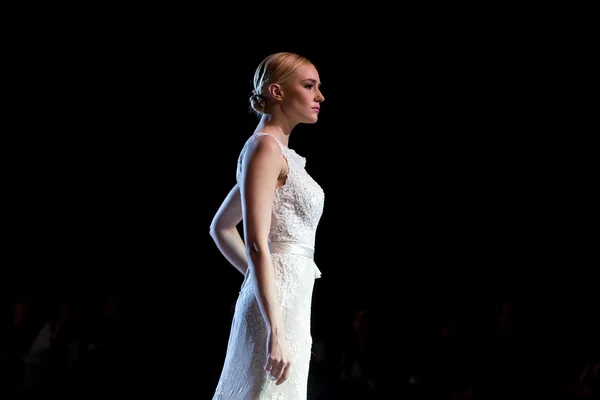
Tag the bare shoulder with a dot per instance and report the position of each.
(264, 148)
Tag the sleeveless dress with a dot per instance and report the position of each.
(296, 211)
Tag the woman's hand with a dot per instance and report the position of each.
(278, 358)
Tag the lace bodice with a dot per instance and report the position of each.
(298, 204)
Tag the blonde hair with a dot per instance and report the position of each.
(276, 68)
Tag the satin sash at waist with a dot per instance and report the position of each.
(295, 248)
(292, 248)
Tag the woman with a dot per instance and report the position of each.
(268, 353)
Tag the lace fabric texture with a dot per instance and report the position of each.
(297, 209)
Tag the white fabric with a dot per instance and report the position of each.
(297, 209)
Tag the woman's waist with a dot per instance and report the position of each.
(292, 247)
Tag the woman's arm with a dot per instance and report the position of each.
(223, 230)
(262, 167)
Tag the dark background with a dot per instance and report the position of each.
(453, 167)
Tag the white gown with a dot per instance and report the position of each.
(297, 209)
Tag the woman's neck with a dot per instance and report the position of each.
(279, 129)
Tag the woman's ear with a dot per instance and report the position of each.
(275, 91)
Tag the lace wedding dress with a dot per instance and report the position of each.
(297, 209)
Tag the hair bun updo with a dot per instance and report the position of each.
(257, 102)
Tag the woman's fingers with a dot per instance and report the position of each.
(278, 370)
(285, 373)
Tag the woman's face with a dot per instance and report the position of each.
(301, 96)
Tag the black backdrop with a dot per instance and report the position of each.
(442, 182)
